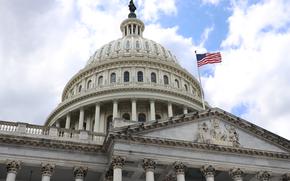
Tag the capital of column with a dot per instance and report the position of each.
(236, 173)
(208, 170)
(80, 172)
(13, 166)
(109, 175)
(47, 169)
(179, 168)
(118, 162)
(149, 164)
(286, 177)
(263, 175)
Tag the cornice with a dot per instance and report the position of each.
(195, 146)
(194, 117)
(48, 143)
(131, 61)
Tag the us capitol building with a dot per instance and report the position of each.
(134, 114)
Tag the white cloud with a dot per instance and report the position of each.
(255, 67)
(214, 2)
(152, 9)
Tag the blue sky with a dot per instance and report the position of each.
(42, 45)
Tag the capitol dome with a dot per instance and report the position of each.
(130, 80)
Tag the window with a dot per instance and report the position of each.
(141, 117)
(158, 117)
(165, 79)
(126, 76)
(109, 122)
(140, 76)
(113, 78)
(185, 87)
(80, 88)
(100, 80)
(176, 83)
(126, 116)
(153, 77)
(89, 84)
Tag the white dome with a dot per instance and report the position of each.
(130, 46)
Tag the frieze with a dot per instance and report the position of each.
(213, 132)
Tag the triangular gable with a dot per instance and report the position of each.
(213, 127)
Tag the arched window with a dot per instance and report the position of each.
(153, 77)
(176, 83)
(141, 117)
(140, 76)
(126, 116)
(80, 88)
(113, 78)
(158, 117)
(165, 79)
(126, 76)
(89, 84)
(185, 87)
(100, 80)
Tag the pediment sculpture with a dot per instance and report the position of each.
(213, 132)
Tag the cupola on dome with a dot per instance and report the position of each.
(132, 44)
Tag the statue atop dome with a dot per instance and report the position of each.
(132, 9)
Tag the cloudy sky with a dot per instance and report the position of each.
(43, 43)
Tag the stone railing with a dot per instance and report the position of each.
(37, 131)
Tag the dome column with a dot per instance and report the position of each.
(81, 118)
(97, 118)
(185, 110)
(152, 110)
(115, 109)
(134, 110)
(12, 169)
(67, 121)
(170, 111)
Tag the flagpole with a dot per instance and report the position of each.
(202, 95)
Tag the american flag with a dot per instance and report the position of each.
(208, 58)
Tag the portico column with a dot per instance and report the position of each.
(134, 110)
(117, 163)
(115, 109)
(236, 174)
(67, 121)
(46, 171)
(81, 118)
(208, 172)
(286, 177)
(149, 167)
(80, 173)
(12, 169)
(170, 112)
(152, 110)
(263, 176)
(185, 110)
(179, 170)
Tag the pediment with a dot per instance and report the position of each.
(216, 131)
